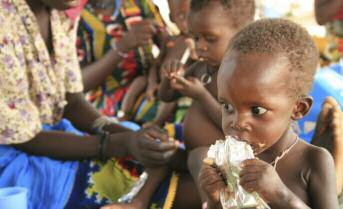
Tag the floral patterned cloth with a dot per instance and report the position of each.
(33, 83)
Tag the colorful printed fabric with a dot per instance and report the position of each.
(94, 37)
(98, 183)
(32, 84)
(334, 29)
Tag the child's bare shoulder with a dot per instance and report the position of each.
(318, 158)
(321, 187)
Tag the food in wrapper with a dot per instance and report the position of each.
(228, 155)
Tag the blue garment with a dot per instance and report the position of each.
(327, 82)
(49, 181)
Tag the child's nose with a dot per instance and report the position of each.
(240, 123)
(201, 45)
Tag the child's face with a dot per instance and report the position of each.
(256, 102)
(211, 30)
(179, 10)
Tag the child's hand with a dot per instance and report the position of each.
(190, 87)
(259, 176)
(140, 34)
(172, 68)
(211, 181)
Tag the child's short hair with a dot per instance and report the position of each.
(285, 38)
(241, 12)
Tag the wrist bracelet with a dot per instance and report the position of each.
(99, 123)
(103, 146)
(115, 48)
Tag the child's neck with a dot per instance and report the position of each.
(285, 142)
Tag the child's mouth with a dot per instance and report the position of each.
(256, 147)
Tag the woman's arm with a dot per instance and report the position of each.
(94, 74)
(326, 10)
(67, 146)
(140, 34)
(82, 114)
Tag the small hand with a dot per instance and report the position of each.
(152, 146)
(189, 86)
(171, 68)
(259, 176)
(140, 34)
(211, 181)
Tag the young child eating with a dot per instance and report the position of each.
(263, 83)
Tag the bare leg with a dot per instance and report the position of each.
(141, 201)
(137, 87)
(329, 134)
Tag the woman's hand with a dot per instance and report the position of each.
(152, 146)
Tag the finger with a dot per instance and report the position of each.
(250, 186)
(158, 146)
(249, 162)
(177, 68)
(158, 133)
(211, 178)
(249, 177)
(250, 169)
(177, 86)
(168, 67)
(181, 80)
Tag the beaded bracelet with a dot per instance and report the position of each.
(104, 137)
(99, 123)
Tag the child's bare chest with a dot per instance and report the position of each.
(295, 176)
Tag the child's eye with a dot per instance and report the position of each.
(227, 107)
(196, 38)
(210, 39)
(258, 110)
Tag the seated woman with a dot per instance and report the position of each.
(40, 83)
(115, 47)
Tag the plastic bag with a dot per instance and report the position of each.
(228, 155)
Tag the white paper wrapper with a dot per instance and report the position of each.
(228, 155)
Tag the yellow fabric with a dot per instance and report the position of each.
(32, 85)
(111, 181)
(174, 181)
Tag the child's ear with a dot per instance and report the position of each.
(302, 107)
